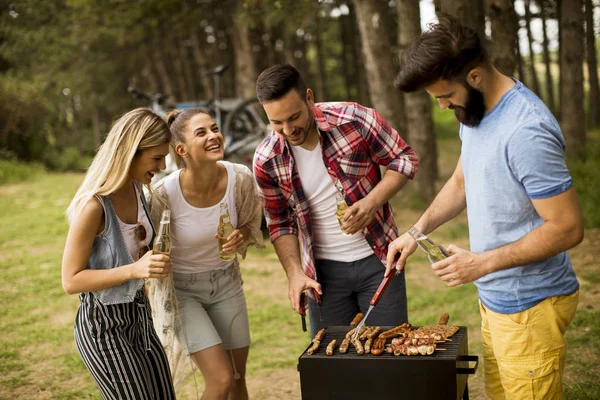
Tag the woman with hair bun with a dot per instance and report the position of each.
(107, 256)
(200, 309)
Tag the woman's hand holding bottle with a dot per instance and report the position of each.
(151, 266)
(232, 242)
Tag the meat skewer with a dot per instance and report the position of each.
(396, 331)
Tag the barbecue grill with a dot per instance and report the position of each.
(440, 376)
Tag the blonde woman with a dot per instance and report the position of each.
(107, 258)
(204, 305)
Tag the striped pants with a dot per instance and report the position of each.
(120, 348)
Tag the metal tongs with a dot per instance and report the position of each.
(376, 297)
(304, 306)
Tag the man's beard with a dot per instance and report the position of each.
(474, 111)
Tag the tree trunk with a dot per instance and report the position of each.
(592, 64)
(504, 35)
(571, 76)
(289, 46)
(379, 65)
(230, 80)
(362, 87)
(547, 61)
(266, 39)
(560, 50)
(177, 64)
(419, 121)
(520, 66)
(245, 70)
(199, 58)
(161, 69)
(535, 83)
(321, 85)
(187, 70)
(470, 13)
(302, 61)
(348, 64)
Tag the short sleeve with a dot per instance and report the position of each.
(536, 156)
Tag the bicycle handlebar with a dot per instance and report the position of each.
(154, 97)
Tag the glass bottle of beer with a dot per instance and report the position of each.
(224, 230)
(162, 242)
(434, 251)
(341, 207)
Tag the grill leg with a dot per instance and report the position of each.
(466, 392)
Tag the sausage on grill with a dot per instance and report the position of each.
(357, 319)
(358, 346)
(330, 347)
(344, 345)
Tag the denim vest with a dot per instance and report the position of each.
(109, 251)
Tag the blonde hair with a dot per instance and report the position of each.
(137, 130)
(177, 121)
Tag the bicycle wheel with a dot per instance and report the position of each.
(246, 126)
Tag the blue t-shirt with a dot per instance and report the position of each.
(516, 154)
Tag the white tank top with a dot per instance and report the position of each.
(132, 242)
(194, 246)
(329, 243)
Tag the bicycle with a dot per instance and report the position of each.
(243, 122)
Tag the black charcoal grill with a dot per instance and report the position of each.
(440, 376)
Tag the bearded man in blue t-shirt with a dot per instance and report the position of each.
(521, 206)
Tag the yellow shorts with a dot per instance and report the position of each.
(524, 353)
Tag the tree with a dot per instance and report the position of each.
(547, 62)
(535, 83)
(379, 63)
(419, 121)
(470, 13)
(571, 76)
(594, 93)
(360, 77)
(245, 68)
(504, 35)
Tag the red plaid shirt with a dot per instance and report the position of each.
(355, 141)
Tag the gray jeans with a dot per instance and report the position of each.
(347, 290)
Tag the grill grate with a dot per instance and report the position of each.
(339, 333)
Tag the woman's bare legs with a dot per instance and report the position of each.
(215, 365)
(239, 391)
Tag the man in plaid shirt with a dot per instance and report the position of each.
(317, 156)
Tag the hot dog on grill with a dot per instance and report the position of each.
(357, 319)
(330, 347)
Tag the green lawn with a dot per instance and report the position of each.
(38, 359)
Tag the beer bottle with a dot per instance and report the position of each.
(225, 229)
(434, 251)
(341, 207)
(162, 242)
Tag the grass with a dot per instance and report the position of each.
(38, 359)
(13, 171)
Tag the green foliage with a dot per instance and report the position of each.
(445, 123)
(14, 171)
(67, 160)
(586, 180)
